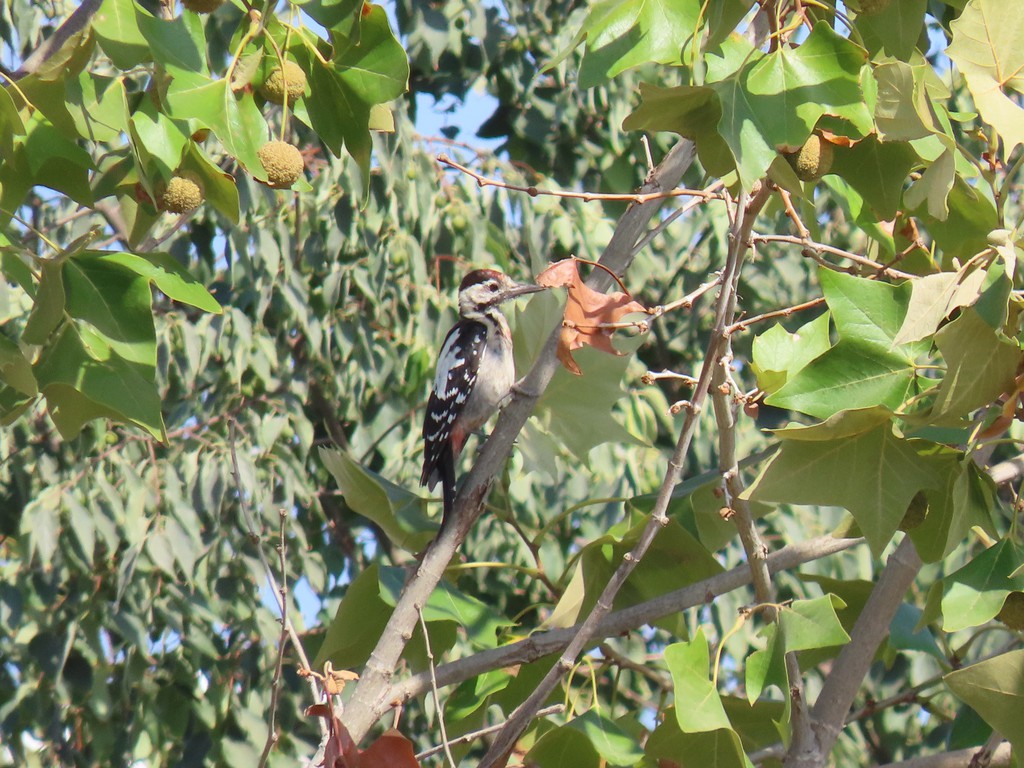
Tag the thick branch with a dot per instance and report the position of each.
(370, 699)
(851, 666)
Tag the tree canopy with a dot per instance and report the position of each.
(754, 502)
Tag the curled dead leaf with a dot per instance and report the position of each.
(590, 316)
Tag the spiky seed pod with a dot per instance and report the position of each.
(813, 160)
(286, 83)
(282, 162)
(202, 6)
(183, 194)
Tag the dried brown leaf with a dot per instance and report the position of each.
(588, 313)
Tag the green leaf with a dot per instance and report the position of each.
(964, 231)
(850, 375)
(563, 746)
(580, 417)
(933, 298)
(614, 745)
(446, 603)
(819, 77)
(357, 625)
(84, 380)
(218, 186)
(895, 30)
(980, 366)
(774, 102)
(179, 44)
(117, 304)
(988, 48)
(339, 16)
(156, 139)
(688, 662)
(809, 624)
(117, 28)
(975, 593)
(995, 690)
(691, 111)
(397, 511)
(866, 310)
(15, 370)
(962, 502)
(865, 368)
(902, 112)
(56, 162)
(164, 272)
(874, 475)
(778, 355)
(49, 306)
(767, 666)
(11, 124)
(934, 186)
(236, 120)
(877, 171)
(376, 67)
(622, 34)
(720, 748)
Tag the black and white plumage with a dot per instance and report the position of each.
(475, 373)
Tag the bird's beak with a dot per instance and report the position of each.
(521, 289)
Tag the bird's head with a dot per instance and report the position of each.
(485, 288)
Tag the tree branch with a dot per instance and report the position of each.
(830, 711)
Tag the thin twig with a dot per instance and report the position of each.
(433, 689)
(856, 258)
(554, 709)
(587, 197)
(742, 325)
(250, 523)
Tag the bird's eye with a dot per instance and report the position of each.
(492, 287)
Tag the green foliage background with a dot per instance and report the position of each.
(143, 354)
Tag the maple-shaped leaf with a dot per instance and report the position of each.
(590, 316)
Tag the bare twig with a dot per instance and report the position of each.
(554, 709)
(433, 689)
(742, 325)
(856, 258)
(587, 197)
(250, 524)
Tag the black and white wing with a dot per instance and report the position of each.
(457, 369)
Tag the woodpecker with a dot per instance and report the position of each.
(475, 373)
